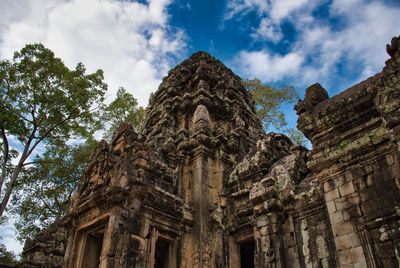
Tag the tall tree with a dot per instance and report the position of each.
(268, 101)
(124, 108)
(44, 191)
(46, 187)
(42, 102)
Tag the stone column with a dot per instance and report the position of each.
(153, 241)
(342, 200)
(267, 230)
(269, 241)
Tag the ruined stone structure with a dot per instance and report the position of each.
(202, 185)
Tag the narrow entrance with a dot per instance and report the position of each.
(162, 253)
(247, 254)
(93, 246)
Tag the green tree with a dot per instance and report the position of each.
(43, 193)
(268, 101)
(124, 108)
(46, 187)
(42, 102)
(7, 257)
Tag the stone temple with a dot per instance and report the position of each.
(202, 185)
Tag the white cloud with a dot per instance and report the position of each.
(268, 67)
(272, 12)
(8, 238)
(267, 30)
(368, 27)
(356, 43)
(281, 9)
(130, 41)
(235, 7)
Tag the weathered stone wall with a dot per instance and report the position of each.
(48, 247)
(355, 156)
(202, 185)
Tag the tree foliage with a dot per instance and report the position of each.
(47, 186)
(7, 257)
(124, 108)
(268, 101)
(42, 102)
(45, 189)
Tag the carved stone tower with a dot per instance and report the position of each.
(208, 124)
(201, 184)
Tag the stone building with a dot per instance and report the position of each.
(201, 184)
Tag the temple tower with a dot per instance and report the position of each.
(208, 124)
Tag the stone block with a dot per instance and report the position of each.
(339, 180)
(354, 239)
(347, 266)
(343, 228)
(346, 215)
(332, 195)
(340, 203)
(360, 265)
(389, 160)
(331, 206)
(354, 199)
(357, 255)
(370, 180)
(346, 189)
(349, 176)
(343, 242)
(336, 217)
(292, 254)
(329, 186)
(344, 257)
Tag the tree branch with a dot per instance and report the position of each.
(44, 202)
(5, 158)
(48, 131)
(16, 172)
(21, 116)
(29, 163)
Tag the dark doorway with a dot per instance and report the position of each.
(93, 246)
(162, 253)
(247, 254)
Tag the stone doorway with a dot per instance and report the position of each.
(162, 254)
(92, 248)
(247, 254)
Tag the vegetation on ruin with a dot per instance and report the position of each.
(268, 101)
(123, 109)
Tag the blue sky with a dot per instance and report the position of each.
(295, 42)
